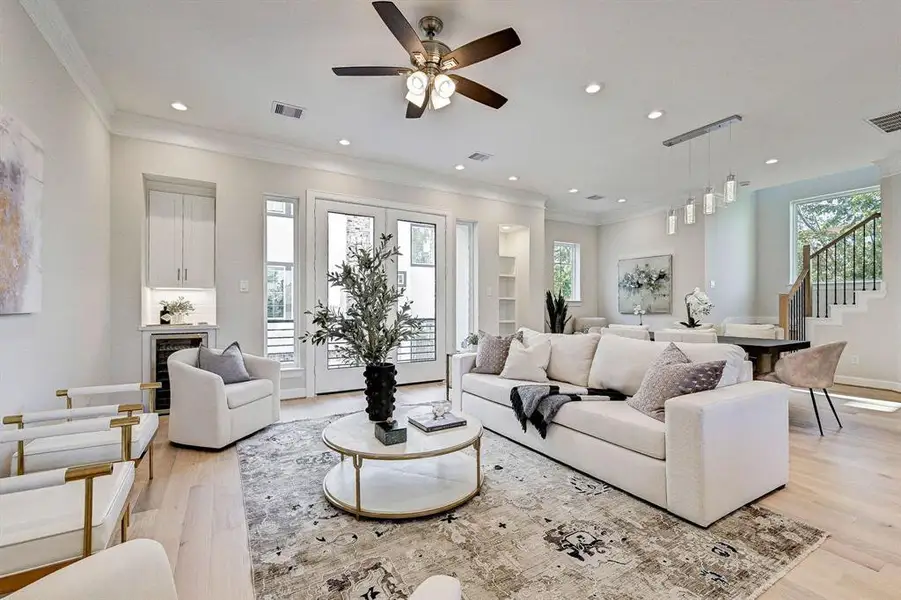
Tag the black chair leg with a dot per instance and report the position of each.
(815, 411)
(833, 408)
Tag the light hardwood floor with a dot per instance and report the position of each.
(847, 482)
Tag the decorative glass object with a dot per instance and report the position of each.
(690, 216)
(730, 189)
(709, 201)
(671, 220)
(440, 408)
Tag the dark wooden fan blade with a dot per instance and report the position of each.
(399, 26)
(478, 92)
(481, 49)
(413, 111)
(369, 71)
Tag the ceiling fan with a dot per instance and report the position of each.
(428, 81)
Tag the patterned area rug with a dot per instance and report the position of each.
(538, 531)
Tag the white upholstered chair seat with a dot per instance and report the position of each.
(635, 333)
(90, 448)
(754, 330)
(696, 336)
(45, 526)
(239, 394)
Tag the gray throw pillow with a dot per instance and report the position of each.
(229, 365)
(672, 374)
(492, 352)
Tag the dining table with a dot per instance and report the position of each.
(764, 353)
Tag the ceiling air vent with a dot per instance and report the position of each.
(887, 123)
(479, 156)
(287, 110)
(594, 197)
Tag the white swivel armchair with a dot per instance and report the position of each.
(207, 413)
(698, 336)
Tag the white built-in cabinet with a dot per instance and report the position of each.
(181, 241)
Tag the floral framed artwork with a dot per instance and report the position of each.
(647, 282)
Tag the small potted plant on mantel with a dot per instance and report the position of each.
(362, 333)
(176, 311)
(697, 305)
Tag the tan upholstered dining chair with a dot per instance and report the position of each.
(813, 368)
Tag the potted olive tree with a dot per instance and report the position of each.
(373, 325)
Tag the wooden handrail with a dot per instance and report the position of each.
(847, 232)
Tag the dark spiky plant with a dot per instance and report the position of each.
(365, 333)
(556, 312)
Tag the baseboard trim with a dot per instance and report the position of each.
(293, 393)
(893, 386)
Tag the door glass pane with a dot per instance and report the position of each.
(280, 242)
(416, 275)
(464, 291)
(345, 233)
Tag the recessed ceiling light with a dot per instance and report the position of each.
(459, 167)
(655, 114)
(573, 191)
(513, 178)
(772, 161)
(621, 200)
(344, 142)
(593, 88)
(179, 106)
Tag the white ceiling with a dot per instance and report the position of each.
(803, 74)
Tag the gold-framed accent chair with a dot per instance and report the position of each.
(51, 519)
(44, 454)
(136, 570)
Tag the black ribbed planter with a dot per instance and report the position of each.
(380, 388)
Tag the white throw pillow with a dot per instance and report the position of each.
(571, 355)
(620, 363)
(527, 362)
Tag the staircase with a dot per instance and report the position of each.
(840, 277)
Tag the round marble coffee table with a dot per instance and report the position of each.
(426, 475)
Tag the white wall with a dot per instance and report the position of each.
(240, 186)
(68, 342)
(646, 236)
(587, 238)
(773, 216)
(730, 240)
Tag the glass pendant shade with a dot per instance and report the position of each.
(444, 86)
(709, 201)
(730, 189)
(671, 220)
(417, 82)
(690, 215)
(438, 101)
(417, 99)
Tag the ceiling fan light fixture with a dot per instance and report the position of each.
(417, 99)
(444, 86)
(438, 102)
(417, 82)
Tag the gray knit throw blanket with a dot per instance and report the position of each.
(538, 404)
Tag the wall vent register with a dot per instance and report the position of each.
(287, 110)
(887, 123)
(479, 156)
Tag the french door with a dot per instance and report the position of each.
(420, 270)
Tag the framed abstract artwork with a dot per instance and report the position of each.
(647, 282)
(21, 188)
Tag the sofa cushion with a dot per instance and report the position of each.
(620, 363)
(45, 526)
(76, 449)
(491, 355)
(239, 394)
(571, 355)
(492, 387)
(529, 363)
(672, 374)
(617, 423)
(228, 364)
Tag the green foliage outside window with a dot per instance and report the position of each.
(564, 261)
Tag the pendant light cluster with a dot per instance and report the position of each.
(710, 200)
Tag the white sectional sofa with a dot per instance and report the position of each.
(716, 451)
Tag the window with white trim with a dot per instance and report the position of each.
(281, 278)
(566, 271)
(466, 282)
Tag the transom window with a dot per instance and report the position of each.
(566, 270)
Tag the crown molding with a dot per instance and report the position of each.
(164, 131)
(575, 217)
(621, 218)
(50, 21)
